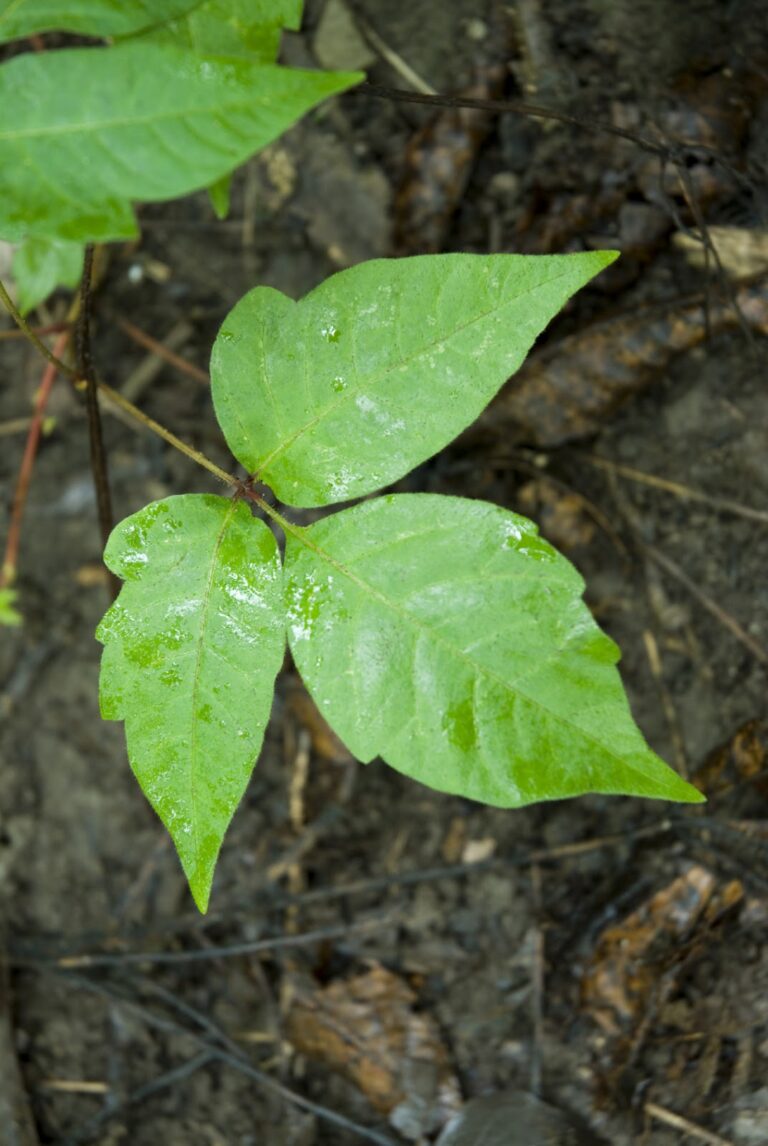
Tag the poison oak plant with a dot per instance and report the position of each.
(440, 634)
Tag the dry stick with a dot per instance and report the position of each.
(162, 350)
(206, 954)
(24, 950)
(720, 614)
(516, 107)
(116, 398)
(673, 569)
(15, 426)
(238, 1061)
(683, 491)
(661, 1114)
(670, 712)
(40, 331)
(8, 568)
(393, 58)
(711, 251)
(30, 334)
(95, 435)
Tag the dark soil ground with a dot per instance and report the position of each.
(500, 930)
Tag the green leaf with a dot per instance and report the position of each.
(42, 265)
(219, 193)
(85, 131)
(445, 636)
(9, 615)
(192, 647)
(380, 366)
(249, 28)
(20, 18)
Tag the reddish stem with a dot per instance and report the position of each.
(150, 343)
(8, 568)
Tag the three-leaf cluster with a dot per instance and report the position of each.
(441, 634)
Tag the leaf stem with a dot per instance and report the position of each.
(84, 358)
(288, 527)
(117, 399)
(8, 569)
(29, 333)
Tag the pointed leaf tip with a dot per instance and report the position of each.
(475, 665)
(379, 367)
(192, 647)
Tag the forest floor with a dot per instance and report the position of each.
(608, 957)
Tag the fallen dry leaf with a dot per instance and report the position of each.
(630, 956)
(568, 390)
(367, 1029)
(743, 757)
(438, 164)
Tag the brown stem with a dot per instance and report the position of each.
(162, 351)
(514, 107)
(117, 399)
(8, 569)
(85, 369)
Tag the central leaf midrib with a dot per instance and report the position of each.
(231, 510)
(373, 380)
(86, 128)
(421, 626)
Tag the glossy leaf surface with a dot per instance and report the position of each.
(84, 132)
(249, 28)
(41, 265)
(447, 637)
(192, 647)
(381, 366)
(98, 18)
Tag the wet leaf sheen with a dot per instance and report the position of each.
(380, 366)
(447, 637)
(192, 647)
(85, 132)
(88, 17)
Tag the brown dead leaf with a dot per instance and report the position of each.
(560, 514)
(367, 1029)
(568, 390)
(438, 165)
(629, 958)
(744, 757)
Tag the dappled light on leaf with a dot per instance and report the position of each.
(450, 639)
(192, 647)
(380, 366)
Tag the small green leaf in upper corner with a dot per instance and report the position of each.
(379, 367)
(134, 122)
(41, 265)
